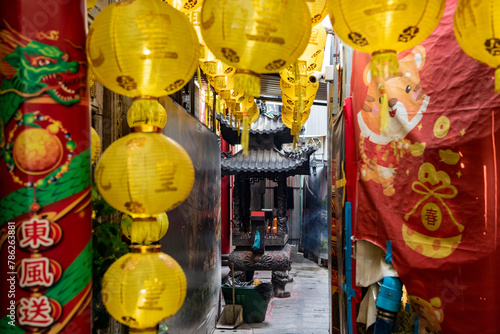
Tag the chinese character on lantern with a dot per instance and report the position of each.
(35, 271)
(35, 311)
(35, 233)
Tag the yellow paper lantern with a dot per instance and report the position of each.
(90, 5)
(248, 107)
(144, 174)
(217, 71)
(287, 118)
(146, 230)
(475, 32)
(142, 48)
(375, 26)
(195, 18)
(384, 28)
(311, 59)
(255, 114)
(255, 36)
(185, 6)
(95, 145)
(318, 10)
(143, 287)
(289, 97)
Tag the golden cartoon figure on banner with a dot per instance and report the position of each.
(382, 149)
(477, 34)
(384, 28)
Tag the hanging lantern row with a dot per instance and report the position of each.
(144, 49)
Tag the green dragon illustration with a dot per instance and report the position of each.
(30, 68)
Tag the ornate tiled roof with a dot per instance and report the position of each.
(264, 125)
(267, 162)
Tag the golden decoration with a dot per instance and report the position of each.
(449, 157)
(441, 127)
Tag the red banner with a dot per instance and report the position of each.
(45, 212)
(429, 180)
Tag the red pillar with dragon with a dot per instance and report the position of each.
(45, 211)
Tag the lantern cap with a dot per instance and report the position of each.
(247, 82)
(145, 249)
(151, 330)
(147, 128)
(145, 220)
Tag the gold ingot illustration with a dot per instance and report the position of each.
(417, 149)
(449, 157)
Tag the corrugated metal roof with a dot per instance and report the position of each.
(270, 86)
(264, 162)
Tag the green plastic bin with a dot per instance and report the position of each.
(254, 305)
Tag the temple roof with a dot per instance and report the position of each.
(263, 125)
(268, 163)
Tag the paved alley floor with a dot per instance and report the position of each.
(306, 311)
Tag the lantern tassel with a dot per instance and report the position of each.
(143, 331)
(244, 135)
(384, 109)
(217, 104)
(247, 82)
(497, 80)
(198, 75)
(384, 64)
